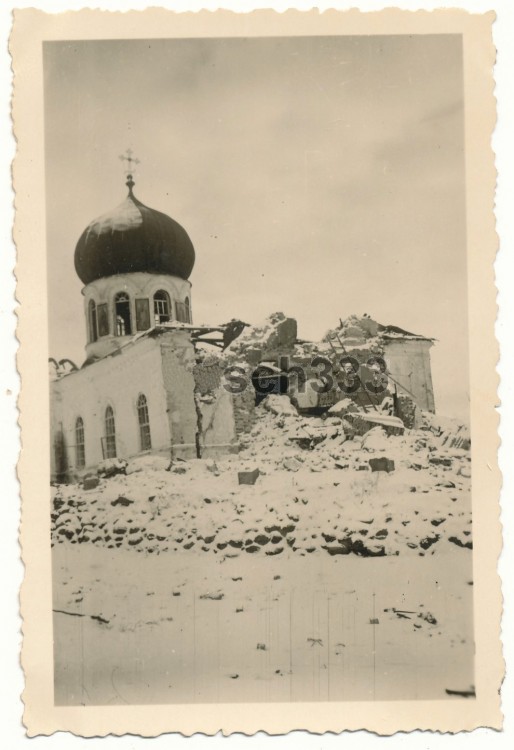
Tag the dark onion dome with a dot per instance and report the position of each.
(133, 238)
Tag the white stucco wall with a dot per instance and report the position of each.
(158, 366)
(177, 363)
(408, 361)
(117, 381)
(218, 424)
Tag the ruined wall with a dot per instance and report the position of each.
(177, 363)
(336, 393)
(262, 343)
(207, 375)
(406, 410)
(362, 339)
(218, 433)
(116, 381)
(244, 410)
(408, 361)
(266, 341)
(214, 403)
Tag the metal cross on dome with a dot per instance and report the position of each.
(129, 171)
(131, 161)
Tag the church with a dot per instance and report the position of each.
(153, 382)
(138, 389)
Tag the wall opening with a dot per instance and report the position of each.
(161, 307)
(109, 446)
(266, 381)
(80, 444)
(122, 314)
(145, 440)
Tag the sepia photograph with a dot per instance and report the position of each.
(260, 442)
(257, 304)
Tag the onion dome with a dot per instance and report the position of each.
(133, 238)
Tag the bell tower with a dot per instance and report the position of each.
(135, 264)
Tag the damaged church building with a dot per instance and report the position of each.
(153, 382)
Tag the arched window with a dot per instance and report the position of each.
(145, 439)
(80, 446)
(122, 314)
(161, 307)
(110, 434)
(188, 310)
(93, 325)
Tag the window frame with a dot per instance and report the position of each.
(122, 322)
(165, 301)
(110, 450)
(143, 419)
(80, 444)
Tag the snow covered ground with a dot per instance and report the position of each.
(182, 627)
(324, 580)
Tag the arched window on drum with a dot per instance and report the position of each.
(188, 310)
(122, 314)
(80, 444)
(161, 307)
(145, 440)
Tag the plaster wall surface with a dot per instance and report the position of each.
(408, 361)
(243, 405)
(115, 381)
(218, 426)
(177, 361)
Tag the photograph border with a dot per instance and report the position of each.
(41, 716)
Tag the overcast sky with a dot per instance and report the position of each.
(320, 176)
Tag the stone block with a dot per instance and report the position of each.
(90, 482)
(248, 477)
(381, 464)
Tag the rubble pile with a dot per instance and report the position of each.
(317, 488)
(259, 342)
(347, 472)
(358, 334)
(450, 432)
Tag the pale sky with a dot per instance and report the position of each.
(319, 176)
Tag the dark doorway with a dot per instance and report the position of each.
(266, 380)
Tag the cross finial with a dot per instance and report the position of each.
(129, 171)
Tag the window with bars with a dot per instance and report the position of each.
(80, 444)
(110, 434)
(161, 307)
(144, 423)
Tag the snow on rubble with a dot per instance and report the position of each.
(317, 487)
(277, 332)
